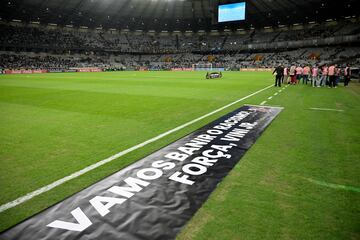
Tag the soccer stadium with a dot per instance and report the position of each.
(179, 119)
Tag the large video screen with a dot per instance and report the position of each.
(231, 12)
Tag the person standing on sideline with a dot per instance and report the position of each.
(286, 75)
(292, 74)
(338, 76)
(332, 77)
(299, 71)
(324, 76)
(279, 71)
(315, 78)
(347, 75)
(306, 72)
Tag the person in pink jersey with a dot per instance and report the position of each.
(337, 76)
(286, 75)
(324, 76)
(292, 73)
(332, 77)
(315, 76)
(299, 72)
(306, 72)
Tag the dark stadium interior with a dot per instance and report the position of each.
(171, 15)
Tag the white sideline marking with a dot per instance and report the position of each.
(115, 156)
(276, 94)
(262, 103)
(327, 109)
(269, 98)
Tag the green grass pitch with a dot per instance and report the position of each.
(300, 180)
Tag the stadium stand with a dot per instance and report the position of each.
(22, 46)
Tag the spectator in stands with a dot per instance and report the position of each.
(347, 75)
(299, 73)
(332, 77)
(292, 73)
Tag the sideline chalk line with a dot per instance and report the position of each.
(327, 109)
(46, 188)
(263, 102)
(334, 185)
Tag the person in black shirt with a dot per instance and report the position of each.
(347, 75)
(279, 71)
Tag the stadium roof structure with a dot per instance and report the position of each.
(171, 15)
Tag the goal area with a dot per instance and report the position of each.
(202, 67)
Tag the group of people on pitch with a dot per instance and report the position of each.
(318, 76)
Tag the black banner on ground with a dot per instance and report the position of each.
(154, 197)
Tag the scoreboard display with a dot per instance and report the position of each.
(231, 12)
